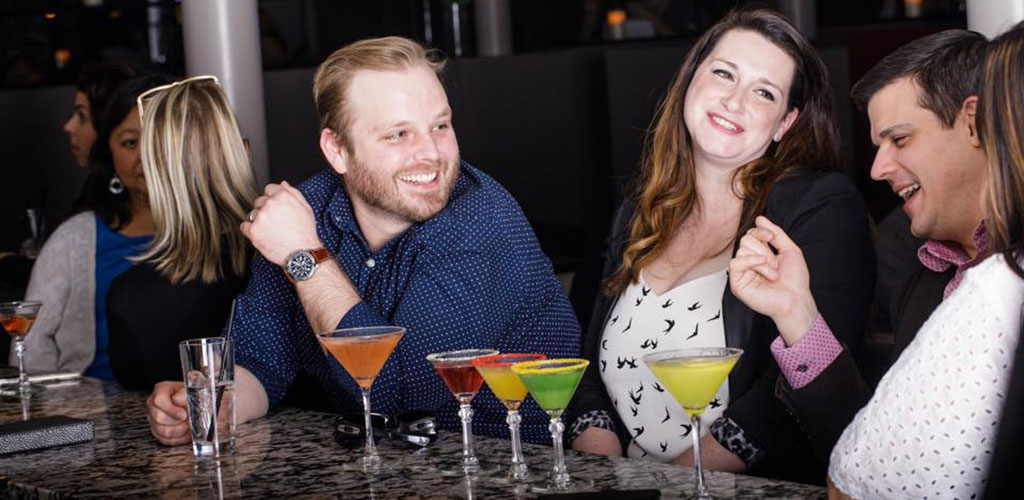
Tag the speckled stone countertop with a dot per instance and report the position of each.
(291, 454)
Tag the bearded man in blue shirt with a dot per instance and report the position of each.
(401, 233)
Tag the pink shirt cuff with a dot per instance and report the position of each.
(802, 362)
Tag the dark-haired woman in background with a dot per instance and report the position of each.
(87, 251)
(94, 87)
(747, 128)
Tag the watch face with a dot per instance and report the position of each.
(300, 265)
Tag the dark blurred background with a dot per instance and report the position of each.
(559, 121)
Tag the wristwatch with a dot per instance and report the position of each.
(301, 264)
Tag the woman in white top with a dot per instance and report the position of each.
(930, 429)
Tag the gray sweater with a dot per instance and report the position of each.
(63, 337)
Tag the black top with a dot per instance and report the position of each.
(825, 215)
(147, 317)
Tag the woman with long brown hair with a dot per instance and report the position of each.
(746, 128)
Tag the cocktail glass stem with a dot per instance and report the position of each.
(702, 492)
(24, 405)
(559, 473)
(519, 469)
(370, 457)
(19, 348)
(469, 461)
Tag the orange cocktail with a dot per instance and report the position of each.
(362, 357)
(16, 319)
(363, 352)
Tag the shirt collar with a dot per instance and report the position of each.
(339, 210)
(940, 255)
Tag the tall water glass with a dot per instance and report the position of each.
(208, 367)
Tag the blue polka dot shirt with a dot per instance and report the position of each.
(473, 276)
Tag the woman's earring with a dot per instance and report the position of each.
(115, 186)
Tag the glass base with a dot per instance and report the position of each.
(455, 468)
(518, 475)
(370, 465)
(15, 389)
(569, 485)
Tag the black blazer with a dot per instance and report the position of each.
(824, 214)
(827, 404)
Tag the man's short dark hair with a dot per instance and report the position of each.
(945, 67)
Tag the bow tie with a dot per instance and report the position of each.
(416, 426)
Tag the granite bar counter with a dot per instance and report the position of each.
(291, 454)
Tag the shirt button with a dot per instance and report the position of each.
(370, 263)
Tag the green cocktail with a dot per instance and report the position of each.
(552, 383)
(693, 376)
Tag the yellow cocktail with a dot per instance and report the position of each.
(693, 381)
(510, 390)
(693, 376)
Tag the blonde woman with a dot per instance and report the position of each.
(200, 186)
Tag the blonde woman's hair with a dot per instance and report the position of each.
(330, 84)
(200, 182)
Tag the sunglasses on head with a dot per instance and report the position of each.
(143, 97)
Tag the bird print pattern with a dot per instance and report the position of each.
(643, 322)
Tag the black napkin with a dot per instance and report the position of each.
(57, 430)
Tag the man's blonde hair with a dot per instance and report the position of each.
(200, 182)
(330, 84)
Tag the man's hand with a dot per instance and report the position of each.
(167, 412)
(281, 223)
(776, 285)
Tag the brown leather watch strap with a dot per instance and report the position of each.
(320, 254)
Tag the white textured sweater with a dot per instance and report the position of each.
(930, 429)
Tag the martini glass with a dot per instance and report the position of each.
(497, 372)
(457, 371)
(16, 319)
(552, 383)
(693, 376)
(362, 352)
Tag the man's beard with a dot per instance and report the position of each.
(379, 191)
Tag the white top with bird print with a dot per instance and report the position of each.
(643, 322)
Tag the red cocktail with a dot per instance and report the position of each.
(457, 371)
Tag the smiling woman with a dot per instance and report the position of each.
(746, 129)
